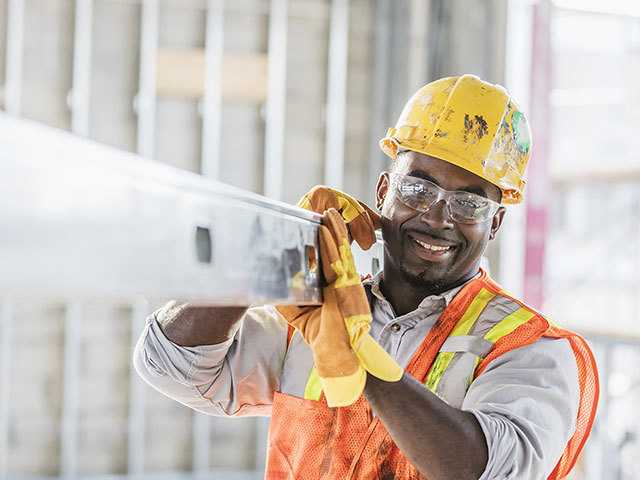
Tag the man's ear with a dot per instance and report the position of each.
(382, 188)
(496, 223)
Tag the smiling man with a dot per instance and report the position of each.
(428, 370)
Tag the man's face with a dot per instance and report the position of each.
(458, 246)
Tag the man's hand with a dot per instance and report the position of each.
(362, 222)
(338, 331)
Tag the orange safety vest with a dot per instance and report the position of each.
(310, 441)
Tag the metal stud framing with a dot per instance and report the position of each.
(380, 100)
(336, 123)
(136, 418)
(6, 334)
(212, 101)
(276, 100)
(15, 38)
(70, 403)
(146, 98)
(517, 74)
(79, 98)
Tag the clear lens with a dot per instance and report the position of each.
(417, 193)
(469, 207)
(464, 207)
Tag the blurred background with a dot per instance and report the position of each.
(277, 96)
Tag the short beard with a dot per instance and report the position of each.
(419, 280)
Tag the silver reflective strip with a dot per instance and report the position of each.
(467, 343)
(497, 309)
(298, 364)
(455, 381)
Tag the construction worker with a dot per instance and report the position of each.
(428, 370)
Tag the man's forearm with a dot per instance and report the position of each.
(440, 441)
(192, 326)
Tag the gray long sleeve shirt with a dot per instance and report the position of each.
(526, 401)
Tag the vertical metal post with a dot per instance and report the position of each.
(538, 187)
(79, 98)
(69, 428)
(212, 101)
(608, 468)
(262, 436)
(201, 427)
(15, 37)
(380, 100)
(211, 132)
(136, 418)
(417, 65)
(276, 100)
(518, 65)
(336, 123)
(6, 335)
(146, 98)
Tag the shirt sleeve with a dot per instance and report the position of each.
(233, 378)
(526, 402)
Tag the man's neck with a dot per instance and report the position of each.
(405, 296)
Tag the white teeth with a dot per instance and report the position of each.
(433, 248)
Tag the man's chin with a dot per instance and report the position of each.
(426, 278)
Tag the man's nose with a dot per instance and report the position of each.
(437, 217)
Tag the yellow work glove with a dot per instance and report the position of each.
(361, 221)
(338, 331)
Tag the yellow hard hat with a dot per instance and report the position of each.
(470, 123)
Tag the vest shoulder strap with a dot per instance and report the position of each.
(490, 317)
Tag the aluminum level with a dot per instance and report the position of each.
(83, 220)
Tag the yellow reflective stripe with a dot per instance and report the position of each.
(313, 389)
(509, 324)
(438, 368)
(475, 308)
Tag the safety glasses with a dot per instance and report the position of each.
(462, 207)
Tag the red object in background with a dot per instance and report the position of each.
(537, 195)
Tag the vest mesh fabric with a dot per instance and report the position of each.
(309, 440)
(590, 392)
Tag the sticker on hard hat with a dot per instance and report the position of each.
(521, 133)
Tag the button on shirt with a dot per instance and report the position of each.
(526, 401)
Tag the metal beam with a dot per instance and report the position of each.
(212, 101)
(145, 103)
(276, 100)
(336, 123)
(142, 228)
(15, 39)
(81, 90)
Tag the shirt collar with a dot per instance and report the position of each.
(431, 302)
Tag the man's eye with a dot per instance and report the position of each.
(468, 202)
(411, 188)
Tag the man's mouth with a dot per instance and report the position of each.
(432, 249)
